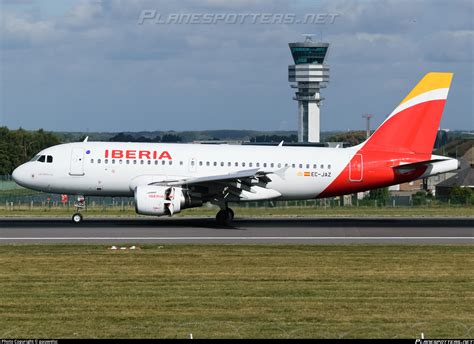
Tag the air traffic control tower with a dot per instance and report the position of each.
(310, 75)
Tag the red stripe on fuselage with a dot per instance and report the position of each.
(407, 137)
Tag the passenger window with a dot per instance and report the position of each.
(222, 163)
(92, 161)
(156, 162)
(279, 165)
(243, 164)
(307, 165)
(236, 164)
(128, 162)
(49, 159)
(171, 162)
(322, 166)
(134, 162)
(106, 161)
(192, 162)
(149, 162)
(258, 164)
(42, 158)
(250, 164)
(208, 163)
(200, 163)
(272, 164)
(120, 162)
(301, 165)
(181, 163)
(163, 162)
(229, 164)
(142, 162)
(215, 163)
(264, 164)
(99, 161)
(329, 166)
(113, 161)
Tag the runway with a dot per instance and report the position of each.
(244, 231)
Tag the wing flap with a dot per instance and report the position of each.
(216, 178)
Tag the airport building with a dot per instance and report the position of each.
(308, 75)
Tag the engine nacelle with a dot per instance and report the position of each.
(163, 200)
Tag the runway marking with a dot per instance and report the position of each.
(240, 238)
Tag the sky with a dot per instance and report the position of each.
(89, 65)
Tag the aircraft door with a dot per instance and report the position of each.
(356, 168)
(77, 162)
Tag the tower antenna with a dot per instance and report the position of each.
(367, 130)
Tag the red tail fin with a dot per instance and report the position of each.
(413, 125)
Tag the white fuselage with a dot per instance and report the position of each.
(117, 169)
(86, 169)
(165, 178)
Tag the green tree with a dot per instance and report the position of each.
(170, 138)
(352, 137)
(459, 195)
(380, 195)
(18, 146)
(420, 198)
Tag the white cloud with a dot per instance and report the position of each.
(25, 31)
(98, 62)
(449, 46)
(84, 14)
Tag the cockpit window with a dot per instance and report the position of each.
(43, 158)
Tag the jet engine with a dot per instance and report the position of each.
(163, 200)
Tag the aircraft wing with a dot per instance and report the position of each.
(216, 178)
(246, 184)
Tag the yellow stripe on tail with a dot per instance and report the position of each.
(430, 82)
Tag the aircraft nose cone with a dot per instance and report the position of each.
(15, 175)
(19, 175)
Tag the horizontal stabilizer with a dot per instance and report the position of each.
(432, 167)
(415, 165)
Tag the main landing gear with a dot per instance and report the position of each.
(79, 204)
(225, 216)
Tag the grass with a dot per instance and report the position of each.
(231, 291)
(416, 211)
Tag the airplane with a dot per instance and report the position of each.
(165, 178)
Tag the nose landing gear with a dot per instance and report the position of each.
(79, 204)
(77, 218)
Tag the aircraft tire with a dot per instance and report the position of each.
(224, 217)
(231, 213)
(77, 218)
